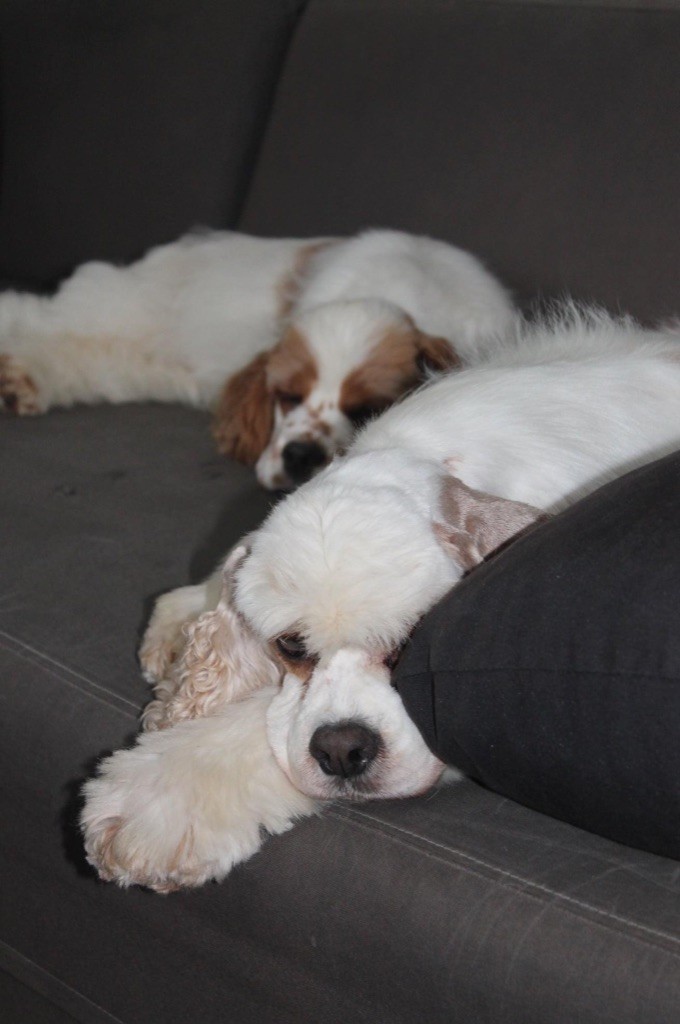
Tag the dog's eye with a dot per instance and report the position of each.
(292, 647)
(288, 400)
(360, 414)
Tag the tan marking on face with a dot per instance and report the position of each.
(437, 353)
(290, 285)
(291, 371)
(392, 367)
(302, 669)
(388, 371)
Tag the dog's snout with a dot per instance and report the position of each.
(301, 458)
(344, 750)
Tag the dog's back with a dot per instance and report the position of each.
(445, 290)
(560, 408)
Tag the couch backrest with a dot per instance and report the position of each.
(127, 122)
(544, 136)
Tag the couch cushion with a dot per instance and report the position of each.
(544, 137)
(126, 123)
(552, 673)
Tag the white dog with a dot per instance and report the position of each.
(323, 596)
(293, 343)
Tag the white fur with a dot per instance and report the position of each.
(351, 560)
(170, 327)
(349, 685)
(166, 631)
(186, 805)
(177, 324)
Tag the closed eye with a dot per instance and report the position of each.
(360, 414)
(288, 400)
(291, 647)
(291, 650)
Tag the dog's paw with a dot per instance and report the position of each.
(186, 804)
(130, 845)
(19, 394)
(159, 651)
(148, 821)
(165, 635)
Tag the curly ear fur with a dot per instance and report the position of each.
(435, 353)
(245, 413)
(221, 661)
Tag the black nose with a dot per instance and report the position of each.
(301, 458)
(345, 750)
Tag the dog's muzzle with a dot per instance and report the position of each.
(345, 750)
(301, 459)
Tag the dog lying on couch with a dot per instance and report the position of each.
(292, 342)
(274, 688)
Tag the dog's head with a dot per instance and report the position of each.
(332, 586)
(292, 409)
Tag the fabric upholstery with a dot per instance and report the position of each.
(126, 123)
(544, 137)
(552, 674)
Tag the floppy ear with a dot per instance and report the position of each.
(222, 661)
(245, 413)
(435, 353)
(474, 524)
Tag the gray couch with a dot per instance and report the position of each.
(545, 137)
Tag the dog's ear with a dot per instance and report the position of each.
(222, 660)
(473, 524)
(245, 413)
(435, 353)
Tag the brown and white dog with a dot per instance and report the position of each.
(292, 342)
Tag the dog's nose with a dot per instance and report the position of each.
(301, 458)
(345, 750)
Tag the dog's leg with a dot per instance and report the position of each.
(104, 336)
(198, 652)
(165, 634)
(165, 642)
(186, 804)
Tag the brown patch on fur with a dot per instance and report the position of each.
(292, 369)
(290, 285)
(475, 524)
(302, 669)
(459, 544)
(245, 413)
(436, 353)
(393, 367)
(19, 393)
(388, 371)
